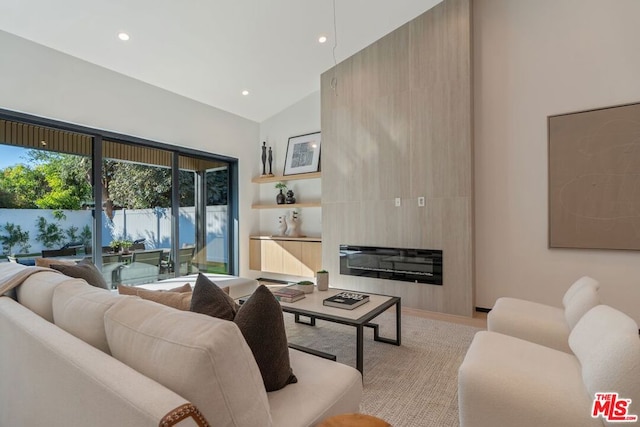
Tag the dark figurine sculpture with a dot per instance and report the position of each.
(264, 158)
(270, 161)
(290, 199)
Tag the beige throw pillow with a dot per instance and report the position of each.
(179, 300)
(46, 262)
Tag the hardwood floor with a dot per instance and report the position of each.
(479, 320)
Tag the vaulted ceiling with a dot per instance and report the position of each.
(212, 50)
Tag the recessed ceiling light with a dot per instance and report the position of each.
(322, 39)
(245, 92)
(123, 36)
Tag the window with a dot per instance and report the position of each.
(152, 223)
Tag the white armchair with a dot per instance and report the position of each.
(506, 381)
(544, 324)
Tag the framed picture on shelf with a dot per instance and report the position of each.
(303, 154)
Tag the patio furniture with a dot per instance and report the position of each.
(144, 267)
(137, 246)
(111, 265)
(49, 253)
(185, 260)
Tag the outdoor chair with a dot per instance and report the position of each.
(144, 268)
(185, 260)
(111, 266)
(49, 253)
(139, 246)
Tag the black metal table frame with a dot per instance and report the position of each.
(359, 324)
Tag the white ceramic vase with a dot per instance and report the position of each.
(282, 225)
(293, 225)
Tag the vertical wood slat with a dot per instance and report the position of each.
(415, 130)
(30, 136)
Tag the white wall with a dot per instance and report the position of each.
(533, 59)
(43, 82)
(300, 118)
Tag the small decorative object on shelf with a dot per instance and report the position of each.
(280, 199)
(282, 225)
(290, 199)
(305, 286)
(322, 280)
(293, 224)
(346, 300)
(264, 158)
(270, 162)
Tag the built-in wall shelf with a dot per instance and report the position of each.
(300, 239)
(288, 206)
(266, 179)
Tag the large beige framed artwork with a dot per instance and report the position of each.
(594, 179)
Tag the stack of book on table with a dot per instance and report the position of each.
(288, 294)
(346, 300)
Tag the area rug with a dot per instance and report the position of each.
(414, 385)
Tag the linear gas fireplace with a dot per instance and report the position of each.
(409, 265)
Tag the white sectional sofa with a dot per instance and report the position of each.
(75, 355)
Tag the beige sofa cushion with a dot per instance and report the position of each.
(324, 388)
(79, 309)
(36, 292)
(203, 359)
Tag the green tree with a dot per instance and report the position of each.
(21, 186)
(63, 181)
(67, 179)
(136, 186)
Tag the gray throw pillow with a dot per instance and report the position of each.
(209, 299)
(261, 322)
(84, 269)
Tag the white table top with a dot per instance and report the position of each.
(312, 302)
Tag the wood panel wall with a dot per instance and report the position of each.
(397, 122)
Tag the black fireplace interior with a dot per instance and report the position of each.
(409, 265)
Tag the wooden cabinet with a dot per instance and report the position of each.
(285, 255)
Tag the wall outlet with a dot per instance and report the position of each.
(398, 202)
(421, 201)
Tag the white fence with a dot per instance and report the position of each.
(153, 225)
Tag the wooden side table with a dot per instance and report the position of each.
(353, 420)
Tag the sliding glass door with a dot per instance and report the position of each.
(149, 211)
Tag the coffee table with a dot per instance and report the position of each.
(360, 317)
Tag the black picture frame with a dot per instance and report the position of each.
(303, 154)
